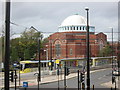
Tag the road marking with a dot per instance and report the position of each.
(102, 77)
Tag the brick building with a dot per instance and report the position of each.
(70, 40)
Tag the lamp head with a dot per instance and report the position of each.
(86, 8)
(110, 27)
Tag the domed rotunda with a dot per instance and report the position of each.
(75, 23)
(70, 41)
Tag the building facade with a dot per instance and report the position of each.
(70, 40)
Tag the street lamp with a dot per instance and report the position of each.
(113, 78)
(87, 50)
(46, 53)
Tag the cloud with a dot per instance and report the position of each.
(47, 16)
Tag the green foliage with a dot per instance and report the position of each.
(106, 51)
(14, 55)
(26, 46)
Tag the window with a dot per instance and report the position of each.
(71, 51)
(80, 28)
(73, 28)
(67, 28)
(57, 49)
(77, 28)
(83, 28)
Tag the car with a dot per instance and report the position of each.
(116, 73)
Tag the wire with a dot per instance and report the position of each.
(50, 32)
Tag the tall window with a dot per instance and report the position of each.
(83, 28)
(101, 44)
(80, 28)
(77, 28)
(71, 51)
(73, 28)
(58, 49)
(67, 28)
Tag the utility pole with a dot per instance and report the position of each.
(7, 45)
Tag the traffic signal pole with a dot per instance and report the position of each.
(58, 74)
(7, 45)
(15, 79)
(78, 80)
(64, 76)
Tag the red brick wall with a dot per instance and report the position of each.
(75, 41)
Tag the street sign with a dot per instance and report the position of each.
(25, 84)
(57, 61)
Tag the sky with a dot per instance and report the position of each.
(47, 16)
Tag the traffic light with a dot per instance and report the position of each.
(82, 76)
(66, 71)
(11, 76)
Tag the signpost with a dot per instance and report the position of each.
(25, 85)
(58, 64)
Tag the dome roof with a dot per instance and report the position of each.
(74, 20)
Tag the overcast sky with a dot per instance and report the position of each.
(47, 16)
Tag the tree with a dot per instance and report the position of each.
(14, 48)
(29, 43)
(106, 51)
(26, 46)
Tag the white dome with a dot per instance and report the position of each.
(75, 23)
(74, 20)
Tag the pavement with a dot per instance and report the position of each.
(110, 85)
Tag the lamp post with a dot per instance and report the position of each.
(87, 50)
(46, 53)
(113, 81)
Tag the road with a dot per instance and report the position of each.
(97, 78)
